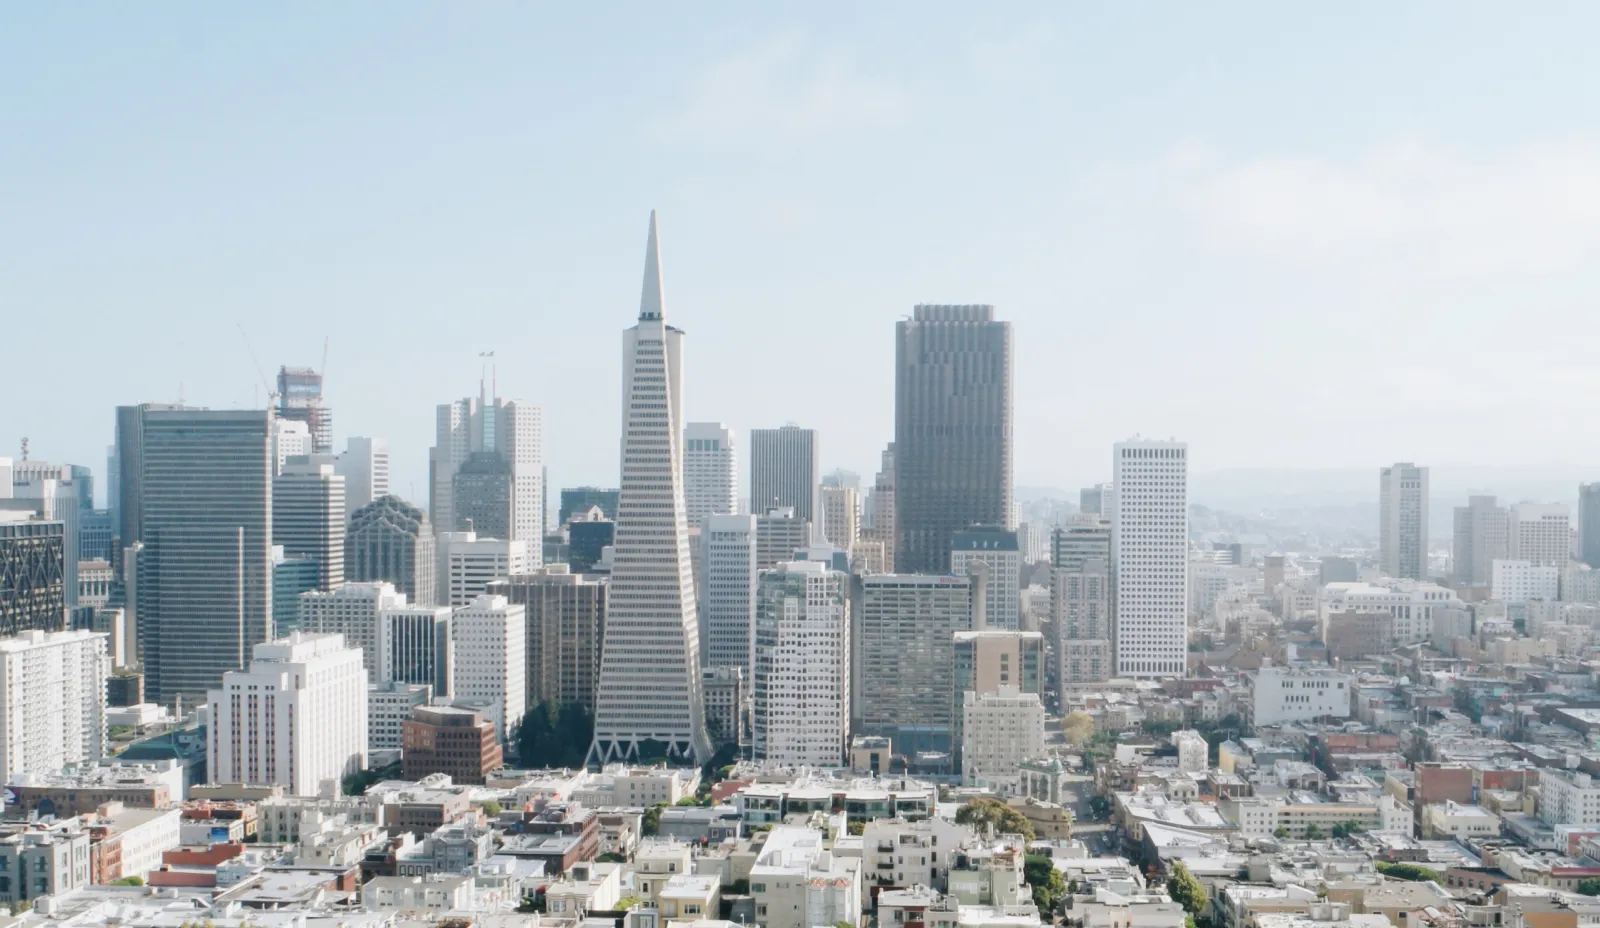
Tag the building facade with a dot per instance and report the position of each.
(1540, 533)
(727, 613)
(991, 660)
(353, 612)
(1289, 694)
(841, 515)
(650, 663)
(308, 516)
(33, 593)
(1403, 521)
(953, 431)
(450, 740)
(416, 645)
(779, 534)
(469, 563)
(801, 687)
(710, 472)
(365, 468)
(996, 548)
(904, 675)
(1480, 536)
(1150, 558)
(390, 540)
(784, 471)
(296, 717)
(1081, 599)
(566, 622)
(52, 700)
(491, 662)
(505, 432)
(1002, 729)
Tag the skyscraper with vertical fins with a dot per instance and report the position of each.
(650, 661)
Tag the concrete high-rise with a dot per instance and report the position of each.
(32, 574)
(365, 468)
(1150, 558)
(300, 399)
(952, 432)
(727, 615)
(1540, 533)
(801, 692)
(291, 438)
(491, 663)
(295, 718)
(710, 472)
(1481, 536)
(487, 425)
(1092, 500)
(415, 645)
(650, 664)
(566, 619)
(1589, 523)
(56, 492)
(784, 470)
(904, 674)
(200, 505)
(308, 516)
(779, 534)
(881, 506)
(54, 708)
(390, 540)
(841, 516)
(467, 564)
(1403, 521)
(353, 611)
(989, 661)
(1080, 597)
(997, 549)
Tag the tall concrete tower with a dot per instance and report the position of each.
(650, 662)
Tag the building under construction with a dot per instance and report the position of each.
(300, 398)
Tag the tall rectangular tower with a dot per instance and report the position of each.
(783, 470)
(1150, 558)
(1403, 521)
(1480, 536)
(801, 686)
(710, 472)
(365, 468)
(497, 444)
(728, 613)
(308, 516)
(1589, 523)
(650, 663)
(204, 585)
(952, 430)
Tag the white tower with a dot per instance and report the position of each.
(710, 472)
(650, 663)
(1150, 559)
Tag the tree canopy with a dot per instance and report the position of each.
(1186, 890)
(996, 815)
(1045, 880)
(1078, 726)
(555, 734)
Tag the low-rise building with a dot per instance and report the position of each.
(435, 893)
(796, 882)
(1454, 820)
(45, 861)
(621, 786)
(451, 740)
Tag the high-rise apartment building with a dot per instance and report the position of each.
(1002, 729)
(779, 534)
(952, 431)
(727, 613)
(841, 516)
(906, 633)
(1540, 533)
(415, 645)
(300, 399)
(1589, 523)
(881, 506)
(710, 472)
(1481, 536)
(801, 691)
(1403, 521)
(566, 619)
(33, 592)
(390, 540)
(365, 468)
(505, 436)
(989, 661)
(1150, 558)
(295, 718)
(491, 662)
(996, 548)
(650, 663)
(201, 506)
(784, 470)
(1081, 598)
(352, 611)
(53, 710)
(468, 563)
(308, 516)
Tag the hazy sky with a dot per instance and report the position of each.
(1295, 235)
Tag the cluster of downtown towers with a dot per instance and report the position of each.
(194, 521)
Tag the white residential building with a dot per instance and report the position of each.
(290, 438)
(1412, 604)
(1521, 581)
(1541, 534)
(996, 548)
(1149, 558)
(710, 472)
(353, 611)
(1403, 521)
(365, 466)
(1294, 694)
(650, 658)
(802, 674)
(467, 563)
(797, 882)
(296, 717)
(727, 614)
(491, 665)
(1567, 797)
(52, 700)
(1193, 751)
(1000, 731)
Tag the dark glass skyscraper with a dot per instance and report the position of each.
(952, 430)
(1589, 523)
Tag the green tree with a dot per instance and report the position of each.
(995, 814)
(1186, 890)
(129, 881)
(491, 808)
(651, 825)
(1589, 887)
(1313, 832)
(555, 734)
(1045, 879)
(1077, 727)
(1159, 729)
(1411, 872)
(1280, 832)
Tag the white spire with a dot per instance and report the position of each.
(651, 301)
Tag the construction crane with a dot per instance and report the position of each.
(323, 371)
(272, 395)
